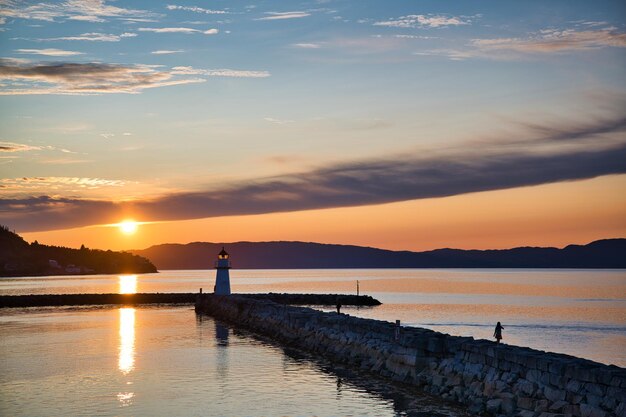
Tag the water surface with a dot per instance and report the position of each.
(108, 361)
(578, 312)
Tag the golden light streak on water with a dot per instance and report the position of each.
(126, 361)
(128, 284)
(125, 398)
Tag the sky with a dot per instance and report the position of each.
(406, 125)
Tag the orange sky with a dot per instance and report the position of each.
(547, 215)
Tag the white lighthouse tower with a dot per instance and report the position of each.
(222, 280)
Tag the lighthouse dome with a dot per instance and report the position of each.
(223, 254)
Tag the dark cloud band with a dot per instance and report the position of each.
(360, 183)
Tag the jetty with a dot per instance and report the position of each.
(488, 378)
(50, 300)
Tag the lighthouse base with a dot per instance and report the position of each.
(222, 282)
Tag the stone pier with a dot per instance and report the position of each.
(490, 379)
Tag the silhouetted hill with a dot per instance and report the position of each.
(19, 258)
(609, 253)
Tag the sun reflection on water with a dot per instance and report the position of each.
(126, 361)
(125, 398)
(128, 284)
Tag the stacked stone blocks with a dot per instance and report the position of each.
(490, 379)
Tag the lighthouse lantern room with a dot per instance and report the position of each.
(222, 280)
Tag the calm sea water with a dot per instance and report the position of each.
(164, 361)
(157, 360)
(578, 312)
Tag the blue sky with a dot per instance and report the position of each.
(118, 101)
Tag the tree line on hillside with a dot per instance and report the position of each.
(19, 258)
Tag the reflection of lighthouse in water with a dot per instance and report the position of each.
(221, 334)
(222, 280)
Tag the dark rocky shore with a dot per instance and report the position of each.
(489, 379)
(175, 298)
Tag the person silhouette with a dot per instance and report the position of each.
(498, 332)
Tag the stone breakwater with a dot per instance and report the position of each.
(490, 379)
(50, 300)
(316, 299)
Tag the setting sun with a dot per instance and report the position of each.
(128, 227)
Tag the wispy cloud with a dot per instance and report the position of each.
(26, 186)
(48, 52)
(195, 9)
(284, 15)
(81, 181)
(85, 18)
(20, 147)
(91, 36)
(179, 30)
(554, 40)
(132, 20)
(421, 21)
(17, 147)
(278, 121)
(86, 10)
(560, 152)
(307, 45)
(100, 78)
(167, 52)
(452, 54)
(414, 37)
(87, 78)
(220, 72)
(547, 41)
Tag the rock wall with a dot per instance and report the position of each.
(490, 379)
(41, 300)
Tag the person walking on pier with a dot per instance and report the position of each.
(338, 307)
(498, 332)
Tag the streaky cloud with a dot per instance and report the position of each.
(194, 9)
(87, 18)
(422, 21)
(578, 130)
(284, 15)
(167, 52)
(384, 180)
(554, 40)
(86, 10)
(84, 78)
(307, 45)
(223, 72)
(17, 147)
(48, 52)
(71, 184)
(90, 37)
(543, 42)
(179, 30)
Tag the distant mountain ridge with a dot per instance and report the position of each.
(607, 253)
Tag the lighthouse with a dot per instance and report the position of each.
(222, 279)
